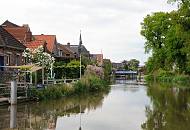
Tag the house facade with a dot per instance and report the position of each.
(10, 50)
(98, 58)
(64, 53)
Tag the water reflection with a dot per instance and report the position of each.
(40, 116)
(169, 109)
(126, 107)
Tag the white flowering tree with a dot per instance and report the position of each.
(27, 54)
(38, 56)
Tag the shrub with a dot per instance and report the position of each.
(149, 77)
(90, 82)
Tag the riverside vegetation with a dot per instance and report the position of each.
(167, 37)
(92, 81)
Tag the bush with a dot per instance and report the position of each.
(149, 77)
(164, 73)
(52, 92)
(168, 77)
(181, 79)
(89, 83)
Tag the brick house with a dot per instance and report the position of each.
(64, 53)
(10, 49)
(98, 58)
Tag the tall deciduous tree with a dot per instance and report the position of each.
(133, 64)
(167, 38)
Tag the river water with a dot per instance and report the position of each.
(124, 107)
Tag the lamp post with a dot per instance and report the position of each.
(80, 66)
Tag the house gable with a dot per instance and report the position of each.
(21, 33)
(50, 40)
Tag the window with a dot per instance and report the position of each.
(60, 53)
(8, 59)
(67, 55)
(17, 62)
(75, 54)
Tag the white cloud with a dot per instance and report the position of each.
(110, 25)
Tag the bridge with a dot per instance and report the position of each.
(125, 74)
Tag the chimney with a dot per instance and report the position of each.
(68, 44)
(25, 25)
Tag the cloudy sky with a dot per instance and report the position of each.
(112, 26)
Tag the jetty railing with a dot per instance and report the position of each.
(22, 88)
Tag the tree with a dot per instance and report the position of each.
(107, 69)
(126, 64)
(167, 39)
(38, 56)
(133, 64)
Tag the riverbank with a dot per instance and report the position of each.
(168, 77)
(89, 83)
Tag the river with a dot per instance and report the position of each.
(124, 107)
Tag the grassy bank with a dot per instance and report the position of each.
(89, 83)
(168, 77)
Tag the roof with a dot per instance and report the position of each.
(7, 40)
(49, 39)
(96, 55)
(35, 44)
(75, 48)
(64, 48)
(21, 33)
(9, 24)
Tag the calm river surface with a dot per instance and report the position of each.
(124, 107)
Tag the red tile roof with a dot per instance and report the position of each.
(49, 39)
(21, 33)
(7, 40)
(18, 32)
(35, 44)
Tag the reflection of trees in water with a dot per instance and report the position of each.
(44, 114)
(170, 109)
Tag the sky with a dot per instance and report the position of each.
(108, 26)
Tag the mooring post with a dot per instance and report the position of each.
(13, 92)
(13, 116)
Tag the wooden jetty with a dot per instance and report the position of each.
(22, 88)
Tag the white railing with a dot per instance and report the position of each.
(59, 81)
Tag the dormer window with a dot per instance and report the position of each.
(60, 53)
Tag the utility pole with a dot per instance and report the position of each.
(79, 50)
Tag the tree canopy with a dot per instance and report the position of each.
(167, 37)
